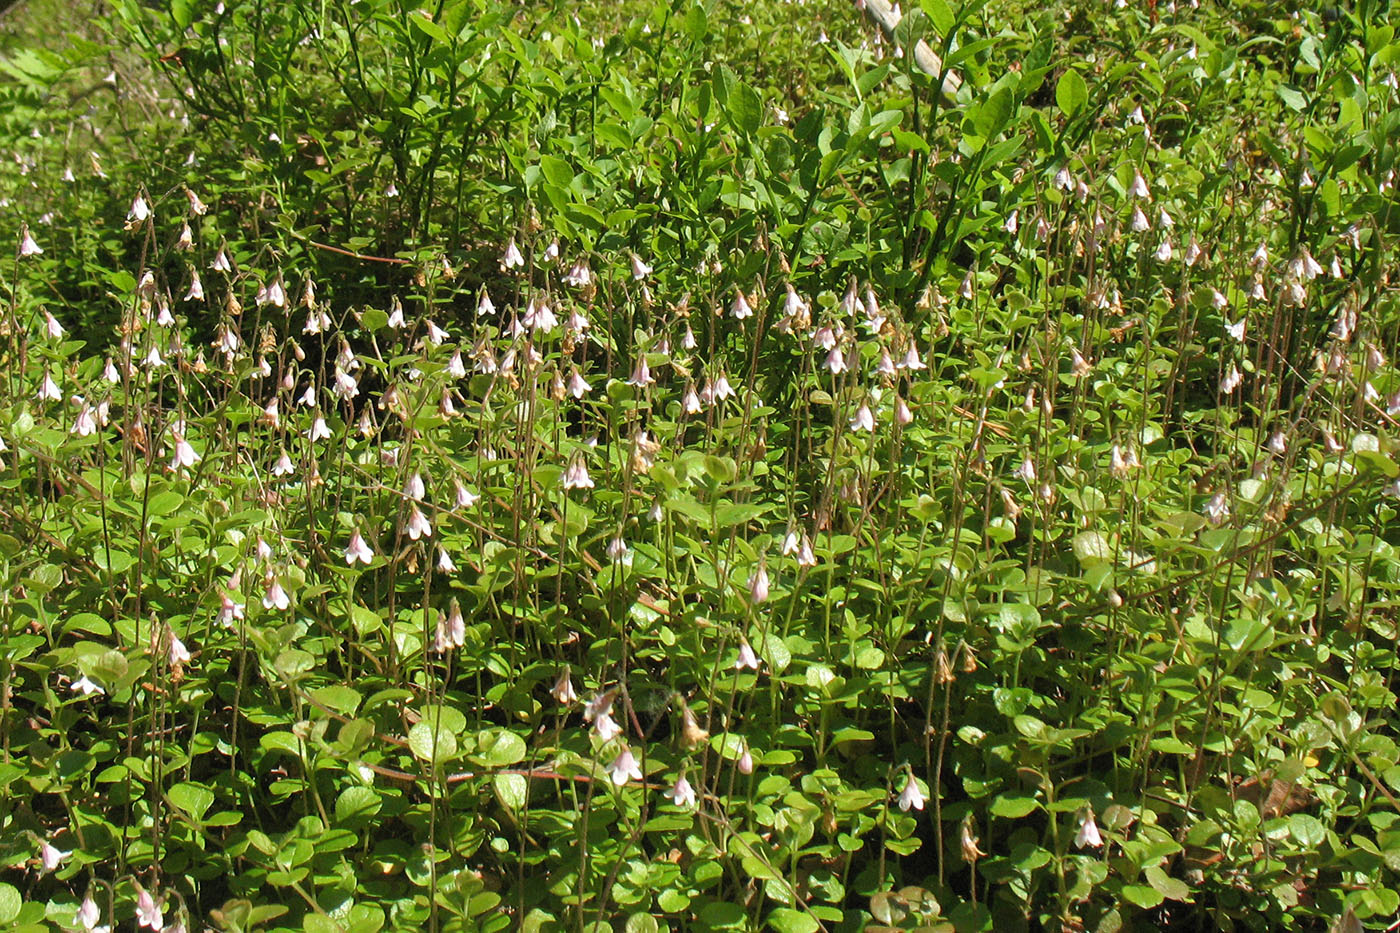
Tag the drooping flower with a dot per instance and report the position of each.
(739, 309)
(681, 793)
(563, 689)
(396, 317)
(576, 476)
(52, 327)
(275, 597)
(722, 389)
(747, 658)
(579, 275)
(910, 798)
(836, 361)
(1294, 293)
(600, 704)
(793, 305)
(578, 386)
(606, 727)
(618, 551)
(27, 246)
(510, 259)
(539, 317)
(1231, 380)
(417, 525)
(230, 610)
(758, 583)
(1087, 835)
(484, 304)
(358, 550)
(746, 761)
(863, 419)
(1217, 509)
(48, 389)
(465, 498)
(805, 556)
(140, 210)
(691, 733)
(319, 430)
(185, 455)
(178, 654)
(624, 767)
(1138, 188)
(1304, 266)
(88, 914)
(967, 841)
(86, 686)
(445, 563)
(148, 912)
(51, 856)
(640, 269)
(641, 373)
(451, 629)
(84, 425)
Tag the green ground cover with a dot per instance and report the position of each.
(473, 466)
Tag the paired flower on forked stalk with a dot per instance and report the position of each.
(576, 476)
(451, 629)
